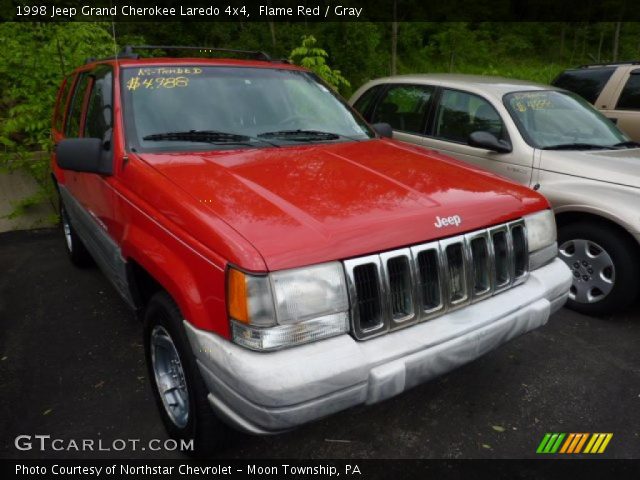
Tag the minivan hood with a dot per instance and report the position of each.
(309, 204)
(613, 166)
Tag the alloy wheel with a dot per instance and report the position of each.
(169, 375)
(594, 273)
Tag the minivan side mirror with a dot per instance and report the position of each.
(84, 155)
(383, 129)
(489, 141)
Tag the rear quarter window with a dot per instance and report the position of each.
(586, 82)
(73, 127)
(61, 106)
(630, 95)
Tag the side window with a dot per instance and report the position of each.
(61, 106)
(460, 114)
(99, 109)
(586, 82)
(630, 96)
(75, 110)
(404, 107)
(365, 102)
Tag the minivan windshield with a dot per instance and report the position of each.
(554, 120)
(203, 108)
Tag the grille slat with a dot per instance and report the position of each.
(429, 278)
(399, 288)
(369, 298)
(456, 270)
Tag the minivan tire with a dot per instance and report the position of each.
(600, 239)
(165, 336)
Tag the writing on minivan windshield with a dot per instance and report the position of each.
(532, 100)
(556, 120)
(196, 108)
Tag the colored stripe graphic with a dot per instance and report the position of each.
(553, 443)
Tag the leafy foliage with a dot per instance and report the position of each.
(34, 59)
(315, 59)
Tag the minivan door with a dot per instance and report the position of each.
(457, 115)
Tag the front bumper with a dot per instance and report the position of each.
(265, 393)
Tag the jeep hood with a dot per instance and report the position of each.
(314, 203)
(613, 166)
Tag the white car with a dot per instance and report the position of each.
(544, 137)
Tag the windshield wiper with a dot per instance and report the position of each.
(576, 146)
(627, 144)
(301, 135)
(206, 136)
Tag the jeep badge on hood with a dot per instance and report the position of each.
(447, 221)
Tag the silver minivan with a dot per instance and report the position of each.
(544, 137)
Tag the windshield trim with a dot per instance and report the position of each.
(131, 138)
(521, 128)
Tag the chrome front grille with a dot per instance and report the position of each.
(402, 287)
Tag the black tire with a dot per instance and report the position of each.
(202, 426)
(78, 253)
(623, 252)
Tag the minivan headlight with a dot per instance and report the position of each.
(288, 307)
(541, 238)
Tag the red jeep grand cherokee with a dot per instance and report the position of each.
(288, 261)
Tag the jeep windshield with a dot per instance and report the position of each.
(553, 120)
(178, 108)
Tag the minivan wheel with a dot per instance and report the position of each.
(604, 264)
(178, 388)
(78, 253)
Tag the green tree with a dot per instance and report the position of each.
(34, 58)
(315, 59)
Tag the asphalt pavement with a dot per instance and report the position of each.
(72, 366)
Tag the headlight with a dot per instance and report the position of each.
(541, 238)
(289, 307)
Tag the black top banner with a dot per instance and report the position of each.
(319, 10)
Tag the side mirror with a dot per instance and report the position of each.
(489, 141)
(383, 129)
(84, 155)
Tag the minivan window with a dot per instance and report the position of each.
(630, 96)
(460, 114)
(586, 82)
(201, 107)
(365, 102)
(404, 107)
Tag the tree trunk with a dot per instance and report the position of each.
(272, 27)
(575, 45)
(563, 32)
(394, 39)
(60, 56)
(585, 35)
(616, 42)
(600, 44)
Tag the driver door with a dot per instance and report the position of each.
(457, 115)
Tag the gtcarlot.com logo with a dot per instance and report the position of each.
(47, 443)
(573, 443)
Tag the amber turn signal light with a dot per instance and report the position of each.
(237, 295)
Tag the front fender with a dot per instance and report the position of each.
(193, 281)
(615, 203)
